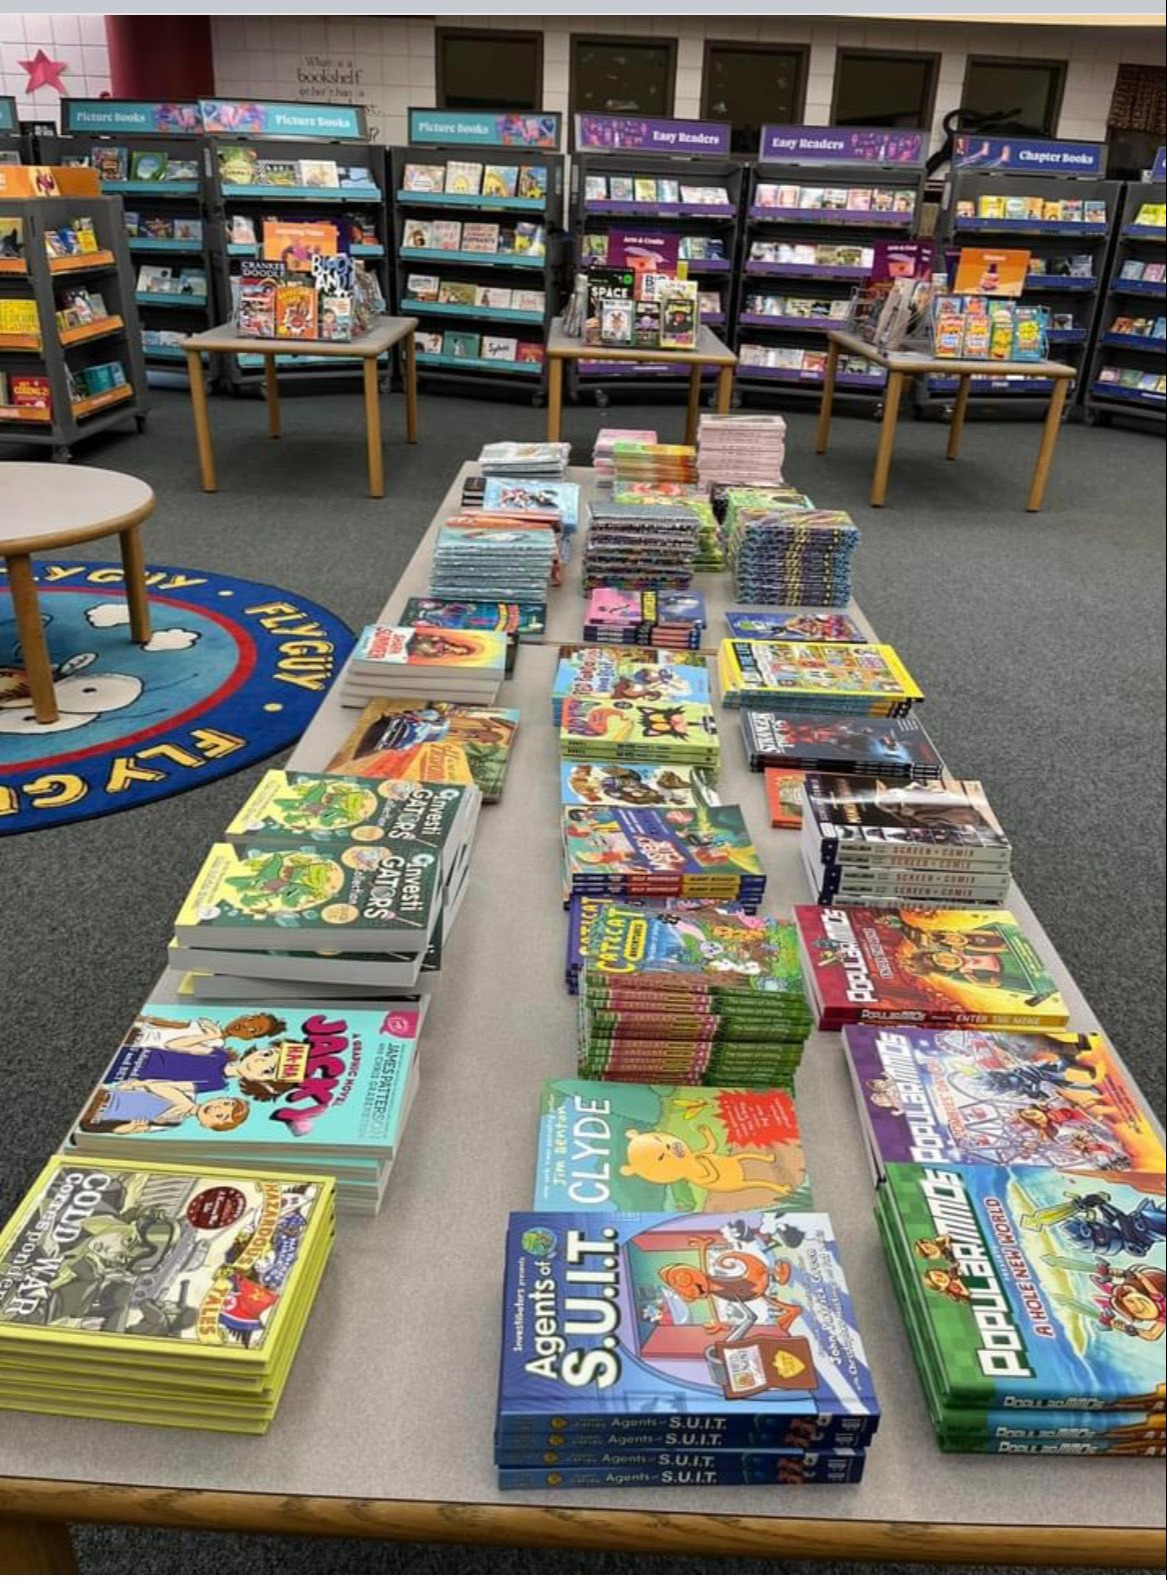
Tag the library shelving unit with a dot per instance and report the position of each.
(489, 140)
(286, 134)
(1071, 254)
(46, 354)
(1129, 298)
(628, 148)
(807, 164)
(131, 144)
(12, 147)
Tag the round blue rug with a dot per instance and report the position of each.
(233, 672)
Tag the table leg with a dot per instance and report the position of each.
(36, 1547)
(271, 391)
(693, 409)
(554, 398)
(1049, 438)
(135, 573)
(887, 437)
(409, 356)
(34, 654)
(724, 390)
(373, 430)
(828, 400)
(198, 400)
(956, 426)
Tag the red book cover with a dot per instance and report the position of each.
(783, 789)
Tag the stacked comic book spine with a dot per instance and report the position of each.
(697, 852)
(893, 749)
(645, 619)
(603, 460)
(417, 660)
(640, 545)
(789, 553)
(865, 678)
(741, 448)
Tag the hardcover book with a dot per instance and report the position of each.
(446, 742)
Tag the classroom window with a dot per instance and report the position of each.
(883, 88)
(1027, 92)
(489, 69)
(623, 76)
(752, 85)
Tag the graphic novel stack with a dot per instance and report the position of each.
(645, 618)
(164, 1295)
(867, 841)
(266, 1085)
(583, 910)
(640, 545)
(608, 729)
(699, 851)
(636, 461)
(415, 661)
(517, 622)
(703, 996)
(525, 501)
(741, 448)
(865, 678)
(603, 461)
(931, 966)
(627, 673)
(739, 1321)
(793, 625)
(840, 743)
(524, 458)
(432, 740)
(787, 555)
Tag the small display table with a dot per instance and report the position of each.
(384, 333)
(904, 365)
(50, 507)
(708, 352)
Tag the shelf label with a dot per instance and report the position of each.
(130, 116)
(8, 122)
(852, 145)
(970, 152)
(486, 128)
(607, 134)
(263, 118)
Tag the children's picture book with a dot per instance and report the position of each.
(793, 625)
(632, 784)
(1052, 1099)
(321, 173)
(929, 966)
(424, 178)
(461, 293)
(446, 235)
(237, 165)
(461, 343)
(463, 176)
(147, 165)
(296, 309)
(276, 173)
(444, 742)
(496, 296)
(990, 271)
(423, 287)
(613, 1145)
(480, 236)
(417, 235)
(596, 188)
(532, 182)
(499, 348)
(500, 181)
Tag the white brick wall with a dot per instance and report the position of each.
(79, 41)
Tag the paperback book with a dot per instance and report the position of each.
(443, 742)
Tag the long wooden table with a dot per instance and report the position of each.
(903, 366)
(385, 1430)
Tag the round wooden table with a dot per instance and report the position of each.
(56, 507)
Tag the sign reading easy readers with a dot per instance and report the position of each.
(650, 134)
(131, 117)
(262, 118)
(971, 152)
(485, 128)
(854, 145)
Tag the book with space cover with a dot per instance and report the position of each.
(1019, 1297)
(442, 742)
(838, 743)
(851, 677)
(332, 808)
(615, 1145)
(164, 1294)
(694, 851)
(1052, 1099)
(380, 897)
(932, 966)
(793, 625)
(647, 1316)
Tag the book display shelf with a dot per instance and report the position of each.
(151, 157)
(1130, 352)
(70, 353)
(478, 226)
(820, 199)
(298, 163)
(668, 187)
(11, 142)
(984, 206)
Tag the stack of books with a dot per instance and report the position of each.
(166, 1295)
(640, 545)
(435, 741)
(646, 617)
(415, 660)
(584, 911)
(524, 458)
(870, 841)
(641, 461)
(929, 966)
(741, 448)
(710, 555)
(602, 458)
(608, 730)
(532, 499)
(259, 1086)
(636, 674)
(704, 997)
(782, 555)
(866, 678)
(738, 1322)
(793, 625)
(697, 852)
(485, 557)
(517, 622)
(838, 743)
(1033, 1300)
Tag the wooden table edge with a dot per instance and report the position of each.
(68, 539)
(242, 345)
(601, 353)
(917, 364)
(46, 1502)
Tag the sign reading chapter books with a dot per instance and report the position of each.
(1027, 153)
(852, 145)
(651, 134)
(485, 128)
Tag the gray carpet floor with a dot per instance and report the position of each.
(1038, 639)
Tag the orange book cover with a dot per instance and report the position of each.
(783, 789)
(991, 271)
(295, 312)
(294, 243)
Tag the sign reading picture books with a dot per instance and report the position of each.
(262, 118)
(486, 128)
(852, 145)
(650, 134)
(971, 152)
(132, 117)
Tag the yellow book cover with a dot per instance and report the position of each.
(18, 316)
(1153, 214)
(857, 670)
(152, 1260)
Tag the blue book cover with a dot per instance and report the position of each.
(590, 672)
(649, 1315)
(793, 625)
(533, 493)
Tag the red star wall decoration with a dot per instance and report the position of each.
(44, 72)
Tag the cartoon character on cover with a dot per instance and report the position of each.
(948, 1282)
(434, 644)
(195, 1055)
(661, 723)
(94, 1284)
(737, 1277)
(1098, 1225)
(135, 1107)
(663, 1159)
(325, 805)
(882, 1092)
(979, 956)
(293, 880)
(1135, 1300)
